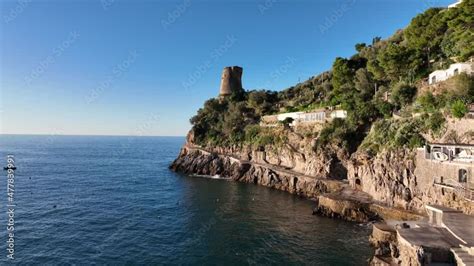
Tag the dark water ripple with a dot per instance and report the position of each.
(112, 200)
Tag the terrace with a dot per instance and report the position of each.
(458, 153)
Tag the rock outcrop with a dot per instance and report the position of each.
(407, 179)
(333, 198)
(201, 162)
(389, 177)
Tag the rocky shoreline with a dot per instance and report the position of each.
(333, 198)
(397, 215)
(338, 199)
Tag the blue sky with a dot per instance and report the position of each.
(111, 67)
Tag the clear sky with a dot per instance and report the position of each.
(111, 67)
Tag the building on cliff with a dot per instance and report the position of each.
(452, 166)
(453, 70)
(231, 80)
(315, 116)
(455, 4)
(272, 120)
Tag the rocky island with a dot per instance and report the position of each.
(384, 136)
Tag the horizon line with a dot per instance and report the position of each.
(89, 135)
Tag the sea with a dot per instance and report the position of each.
(103, 200)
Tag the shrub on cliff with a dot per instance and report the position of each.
(339, 133)
(393, 134)
(458, 109)
(222, 122)
(263, 101)
(463, 87)
(434, 123)
(384, 108)
(287, 122)
(257, 136)
(427, 102)
(403, 94)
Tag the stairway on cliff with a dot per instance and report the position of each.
(462, 256)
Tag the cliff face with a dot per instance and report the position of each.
(406, 179)
(257, 171)
(389, 177)
(403, 178)
(298, 154)
(334, 198)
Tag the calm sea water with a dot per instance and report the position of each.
(112, 200)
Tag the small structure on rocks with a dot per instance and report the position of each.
(446, 237)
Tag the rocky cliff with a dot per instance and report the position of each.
(405, 178)
(300, 167)
(257, 170)
(401, 179)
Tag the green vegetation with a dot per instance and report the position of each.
(433, 123)
(287, 121)
(358, 84)
(458, 109)
(428, 102)
(459, 92)
(260, 137)
(339, 133)
(403, 94)
(386, 134)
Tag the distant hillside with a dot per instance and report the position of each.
(395, 67)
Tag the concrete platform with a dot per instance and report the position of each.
(385, 227)
(429, 237)
(460, 225)
(441, 209)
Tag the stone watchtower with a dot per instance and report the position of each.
(231, 80)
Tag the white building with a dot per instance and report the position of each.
(272, 120)
(315, 116)
(293, 115)
(455, 4)
(454, 69)
(339, 114)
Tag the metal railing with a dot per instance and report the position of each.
(459, 188)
